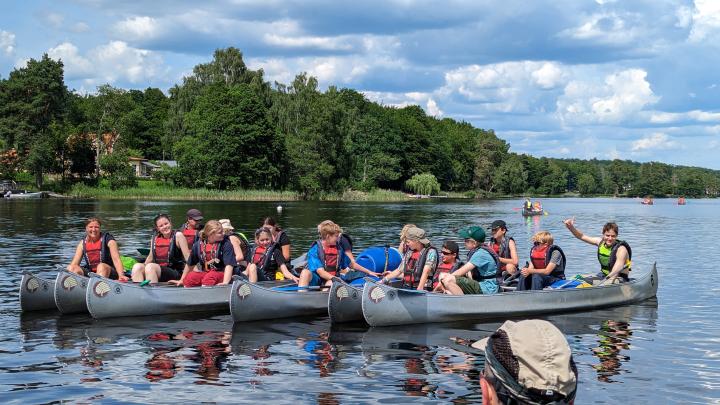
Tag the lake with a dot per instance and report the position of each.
(664, 350)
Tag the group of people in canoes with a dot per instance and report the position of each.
(530, 206)
(210, 254)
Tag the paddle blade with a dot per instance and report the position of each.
(545, 213)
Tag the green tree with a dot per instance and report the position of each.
(423, 184)
(117, 170)
(489, 153)
(586, 184)
(511, 177)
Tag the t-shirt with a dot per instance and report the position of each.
(284, 239)
(485, 264)
(226, 255)
(344, 243)
(556, 258)
(314, 262)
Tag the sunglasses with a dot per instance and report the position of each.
(447, 252)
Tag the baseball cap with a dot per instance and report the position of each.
(532, 361)
(417, 234)
(498, 224)
(194, 214)
(473, 232)
(226, 224)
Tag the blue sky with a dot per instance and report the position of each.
(607, 79)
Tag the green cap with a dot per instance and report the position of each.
(473, 232)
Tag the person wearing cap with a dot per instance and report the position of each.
(191, 228)
(613, 254)
(503, 246)
(402, 248)
(527, 362)
(239, 242)
(418, 264)
(482, 265)
(449, 262)
(168, 253)
(547, 264)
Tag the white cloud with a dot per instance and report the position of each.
(606, 28)
(137, 28)
(324, 43)
(706, 20)
(618, 99)
(548, 76)
(80, 27)
(7, 42)
(109, 63)
(55, 20)
(432, 108)
(655, 141)
(694, 115)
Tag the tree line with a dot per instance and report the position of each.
(228, 128)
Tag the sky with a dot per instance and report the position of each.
(585, 79)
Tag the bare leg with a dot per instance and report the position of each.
(251, 273)
(152, 272)
(305, 277)
(450, 285)
(74, 268)
(103, 270)
(138, 272)
(511, 269)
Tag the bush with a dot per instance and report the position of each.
(117, 170)
(425, 184)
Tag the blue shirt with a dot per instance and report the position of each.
(315, 263)
(485, 264)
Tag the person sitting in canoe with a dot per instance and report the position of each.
(504, 247)
(528, 205)
(266, 260)
(403, 248)
(212, 259)
(191, 228)
(613, 254)
(547, 264)
(482, 265)
(326, 258)
(448, 262)
(280, 237)
(98, 253)
(418, 264)
(355, 270)
(240, 244)
(168, 253)
(537, 206)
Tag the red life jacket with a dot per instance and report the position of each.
(259, 255)
(444, 268)
(191, 235)
(95, 253)
(329, 256)
(161, 249)
(540, 257)
(209, 254)
(415, 262)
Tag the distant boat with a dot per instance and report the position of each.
(22, 194)
(647, 201)
(681, 201)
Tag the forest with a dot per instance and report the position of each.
(230, 129)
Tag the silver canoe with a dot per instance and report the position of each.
(384, 305)
(253, 302)
(36, 293)
(108, 299)
(69, 292)
(344, 302)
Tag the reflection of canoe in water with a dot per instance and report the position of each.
(384, 305)
(532, 213)
(69, 292)
(36, 293)
(252, 302)
(344, 300)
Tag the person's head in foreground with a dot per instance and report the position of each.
(527, 362)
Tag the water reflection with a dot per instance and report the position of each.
(614, 338)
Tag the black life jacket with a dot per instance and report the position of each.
(540, 258)
(95, 253)
(414, 263)
(476, 271)
(173, 258)
(501, 249)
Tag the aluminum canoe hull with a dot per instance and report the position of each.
(253, 302)
(36, 293)
(69, 292)
(384, 305)
(344, 302)
(111, 299)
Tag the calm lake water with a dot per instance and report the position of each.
(665, 350)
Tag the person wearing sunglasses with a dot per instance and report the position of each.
(449, 262)
(527, 362)
(479, 274)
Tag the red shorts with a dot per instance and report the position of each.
(197, 278)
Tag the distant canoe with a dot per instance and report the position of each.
(647, 201)
(384, 305)
(24, 195)
(532, 213)
(36, 293)
(681, 201)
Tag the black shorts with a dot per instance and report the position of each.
(262, 276)
(168, 273)
(113, 273)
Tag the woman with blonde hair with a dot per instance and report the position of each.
(403, 248)
(547, 264)
(211, 260)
